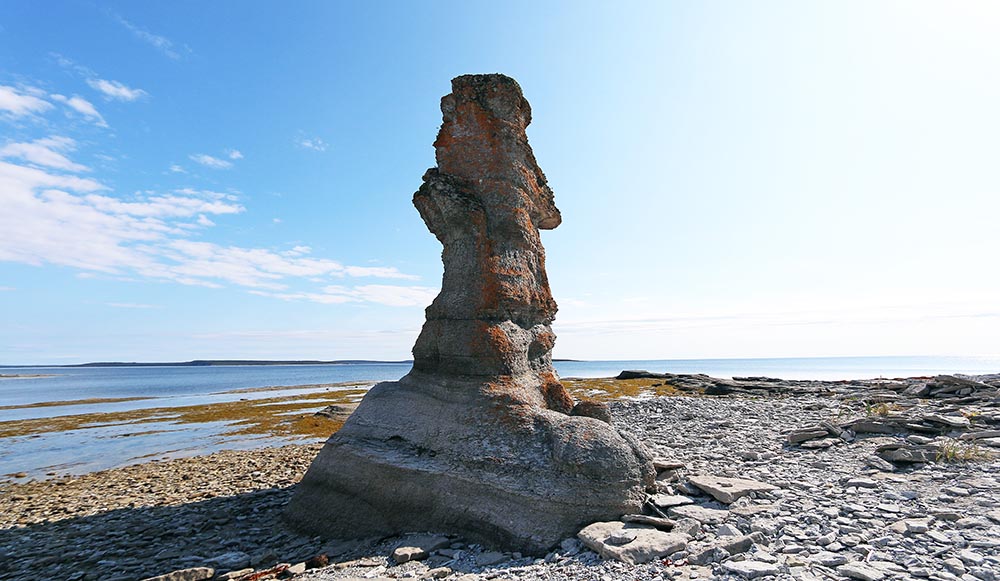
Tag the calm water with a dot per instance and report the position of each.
(192, 385)
(96, 447)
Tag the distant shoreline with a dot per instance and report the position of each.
(221, 363)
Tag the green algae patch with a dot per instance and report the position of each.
(608, 389)
(279, 417)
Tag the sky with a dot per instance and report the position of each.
(190, 180)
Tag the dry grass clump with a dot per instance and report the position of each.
(954, 451)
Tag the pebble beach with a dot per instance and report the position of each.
(862, 480)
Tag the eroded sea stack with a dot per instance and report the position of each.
(480, 438)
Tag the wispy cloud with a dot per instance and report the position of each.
(44, 152)
(390, 295)
(234, 154)
(81, 106)
(133, 306)
(7, 288)
(116, 90)
(160, 43)
(209, 161)
(20, 102)
(313, 143)
(177, 169)
(67, 220)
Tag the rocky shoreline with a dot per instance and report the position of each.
(872, 480)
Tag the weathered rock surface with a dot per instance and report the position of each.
(480, 439)
(631, 543)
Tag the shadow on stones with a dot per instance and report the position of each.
(134, 543)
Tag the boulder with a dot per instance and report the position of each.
(478, 439)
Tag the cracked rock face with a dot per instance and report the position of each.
(480, 439)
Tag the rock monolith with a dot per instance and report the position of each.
(480, 439)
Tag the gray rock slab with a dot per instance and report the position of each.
(649, 543)
(860, 572)
(751, 569)
(711, 516)
(726, 490)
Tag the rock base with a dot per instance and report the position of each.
(449, 455)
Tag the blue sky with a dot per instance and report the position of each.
(186, 180)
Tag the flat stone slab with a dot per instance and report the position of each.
(860, 572)
(751, 569)
(669, 500)
(711, 516)
(727, 490)
(647, 543)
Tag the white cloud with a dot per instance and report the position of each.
(116, 90)
(234, 154)
(70, 221)
(83, 107)
(209, 161)
(377, 271)
(44, 152)
(161, 43)
(177, 169)
(313, 143)
(390, 295)
(7, 288)
(276, 220)
(18, 103)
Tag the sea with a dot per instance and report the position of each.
(59, 392)
(189, 385)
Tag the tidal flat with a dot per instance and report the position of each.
(51, 439)
(72, 437)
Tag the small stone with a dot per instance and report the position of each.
(437, 573)
(665, 501)
(807, 434)
(406, 554)
(970, 557)
(862, 483)
(728, 530)
(751, 569)
(740, 544)
(296, 569)
(861, 572)
(708, 556)
(828, 559)
(234, 574)
(954, 565)
(687, 526)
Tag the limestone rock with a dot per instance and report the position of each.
(727, 490)
(478, 438)
(644, 543)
